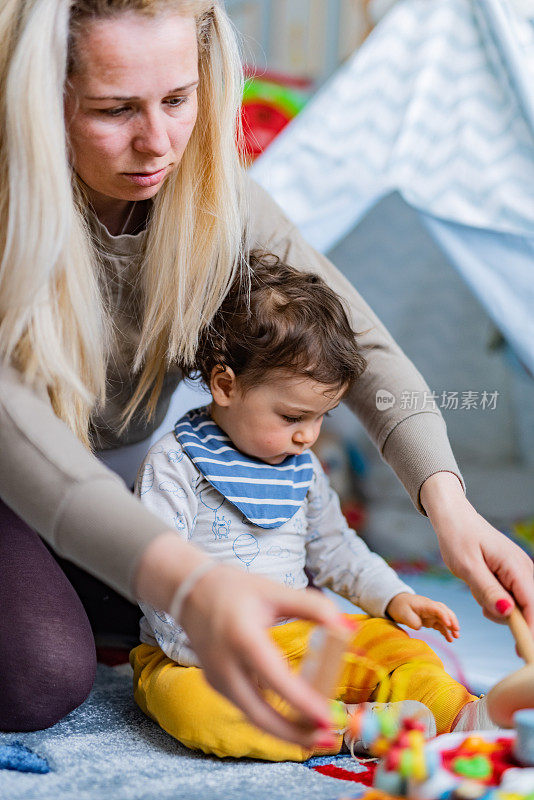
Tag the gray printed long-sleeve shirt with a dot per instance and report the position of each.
(317, 537)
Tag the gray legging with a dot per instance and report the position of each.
(47, 649)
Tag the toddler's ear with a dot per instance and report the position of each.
(223, 384)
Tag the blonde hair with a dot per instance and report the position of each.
(54, 324)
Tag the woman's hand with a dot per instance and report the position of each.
(416, 611)
(226, 615)
(491, 564)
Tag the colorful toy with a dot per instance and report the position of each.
(449, 767)
(481, 766)
(399, 743)
(270, 101)
(486, 766)
(495, 775)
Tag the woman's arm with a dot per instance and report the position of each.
(88, 516)
(415, 445)
(60, 489)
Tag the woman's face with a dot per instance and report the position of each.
(131, 103)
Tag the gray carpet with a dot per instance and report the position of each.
(108, 749)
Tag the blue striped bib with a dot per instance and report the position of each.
(266, 495)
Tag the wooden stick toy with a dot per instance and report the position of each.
(522, 635)
(324, 661)
(516, 691)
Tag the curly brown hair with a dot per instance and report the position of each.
(280, 318)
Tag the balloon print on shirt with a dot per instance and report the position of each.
(278, 552)
(246, 548)
(146, 479)
(172, 488)
(214, 504)
(175, 456)
(221, 527)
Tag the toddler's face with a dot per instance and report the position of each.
(279, 418)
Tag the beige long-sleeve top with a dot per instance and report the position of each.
(85, 511)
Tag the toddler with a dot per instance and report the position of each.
(239, 480)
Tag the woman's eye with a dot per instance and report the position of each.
(174, 102)
(114, 112)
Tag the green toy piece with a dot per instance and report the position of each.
(388, 724)
(475, 767)
(338, 714)
(406, 766)
(287, 99)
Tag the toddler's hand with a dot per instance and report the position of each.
(417, 611)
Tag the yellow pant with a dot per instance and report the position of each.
(393, 667)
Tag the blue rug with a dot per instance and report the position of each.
(108, 749)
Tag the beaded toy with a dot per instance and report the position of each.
(483, 766)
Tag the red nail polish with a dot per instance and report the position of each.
(347, 622)
(326, 742)
(324, 725)
(503, 605)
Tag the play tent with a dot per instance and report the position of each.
(438, 105)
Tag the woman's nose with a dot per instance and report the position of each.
(152, 136)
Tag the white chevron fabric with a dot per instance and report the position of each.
(436, 104)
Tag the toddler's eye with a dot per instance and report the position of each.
(291, 420)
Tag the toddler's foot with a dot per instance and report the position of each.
(402, 709)
(474, 717)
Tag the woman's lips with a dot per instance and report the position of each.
(146, 178)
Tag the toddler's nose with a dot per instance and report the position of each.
(306, 435)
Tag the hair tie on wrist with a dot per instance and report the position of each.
(186, 586)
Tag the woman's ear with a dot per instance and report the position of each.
(223, 385)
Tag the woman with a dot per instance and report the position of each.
(122, 218)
